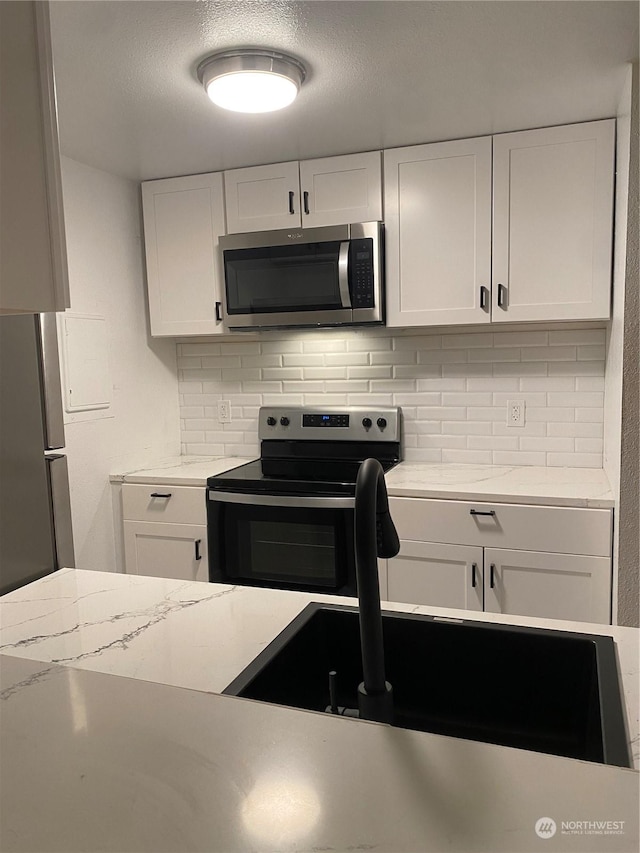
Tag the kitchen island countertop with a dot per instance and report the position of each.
(99, 730)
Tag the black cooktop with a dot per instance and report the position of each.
(293, 477)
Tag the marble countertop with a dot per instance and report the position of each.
(112, 724)
(200, 635)
(99, 730)
(93, 762)
(180, 471)
(575, 487)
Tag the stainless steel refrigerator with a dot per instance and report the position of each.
(35, 512)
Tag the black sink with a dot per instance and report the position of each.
(548, 691)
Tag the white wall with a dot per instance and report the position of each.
(106, 274)
(453, 389)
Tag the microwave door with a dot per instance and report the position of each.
(301, 284)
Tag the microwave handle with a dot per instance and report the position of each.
(343, 274)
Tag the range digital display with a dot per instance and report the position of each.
(321, 420)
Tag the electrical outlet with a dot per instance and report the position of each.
(515, 413)
(224, 412)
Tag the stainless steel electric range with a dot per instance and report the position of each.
(286, 520)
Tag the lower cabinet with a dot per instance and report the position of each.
(165, 531)
(516, 581)
(166, 550)
(441, 575)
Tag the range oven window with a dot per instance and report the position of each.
(282, 278)
(292, 547)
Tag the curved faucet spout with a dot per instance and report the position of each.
(375, 536)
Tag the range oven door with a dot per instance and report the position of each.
(281, 541)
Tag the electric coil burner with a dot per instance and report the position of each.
(286, 520)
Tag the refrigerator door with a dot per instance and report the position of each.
(27, 527)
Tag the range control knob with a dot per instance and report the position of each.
(366, 423)
(382, 422)
(284, 421)
(271, 421)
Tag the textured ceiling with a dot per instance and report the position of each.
(381, 74)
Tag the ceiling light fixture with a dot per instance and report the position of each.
(251, 80)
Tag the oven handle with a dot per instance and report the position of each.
(283, 500)
(343, 274)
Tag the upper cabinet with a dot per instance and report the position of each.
(329, 191)
(438, 233)
(33, 259)
(550, 193)
(183, 218)
(552, 223)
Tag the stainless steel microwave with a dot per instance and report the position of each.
(328, 276)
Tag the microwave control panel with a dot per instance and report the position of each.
(361, 273)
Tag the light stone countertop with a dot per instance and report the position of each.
(574, 487)
(98, 730)
(202, 635)
(93, 762)
(180, 471)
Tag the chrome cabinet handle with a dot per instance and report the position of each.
(219, 311)
(502, 297)
(484, 298)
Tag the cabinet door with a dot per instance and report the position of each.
(261, 198)
(438, 233)
(183, 218)
(552, 226)
(340, 190)
(437, 575)
(166, 550)
(33, 254)
(554, 586)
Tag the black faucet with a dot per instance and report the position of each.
(375, 536)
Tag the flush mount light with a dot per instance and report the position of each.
(251, 80)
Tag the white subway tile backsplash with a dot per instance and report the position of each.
(549, 353)
(518, 457)
(471, 457)
(574, 460)
(453, 389)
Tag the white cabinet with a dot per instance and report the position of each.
(33, 255)
(550, 193)
(329, 191)
(438, 233)
(165, 531)
(166, 550)
(557, 586)
(555, 562)
(440, 575)
(552, 223)
(183, 219)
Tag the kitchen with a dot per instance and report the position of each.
(141, 426)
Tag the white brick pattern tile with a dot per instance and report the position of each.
(453, 389)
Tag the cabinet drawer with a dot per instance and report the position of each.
(561, 530)
(182, 504)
